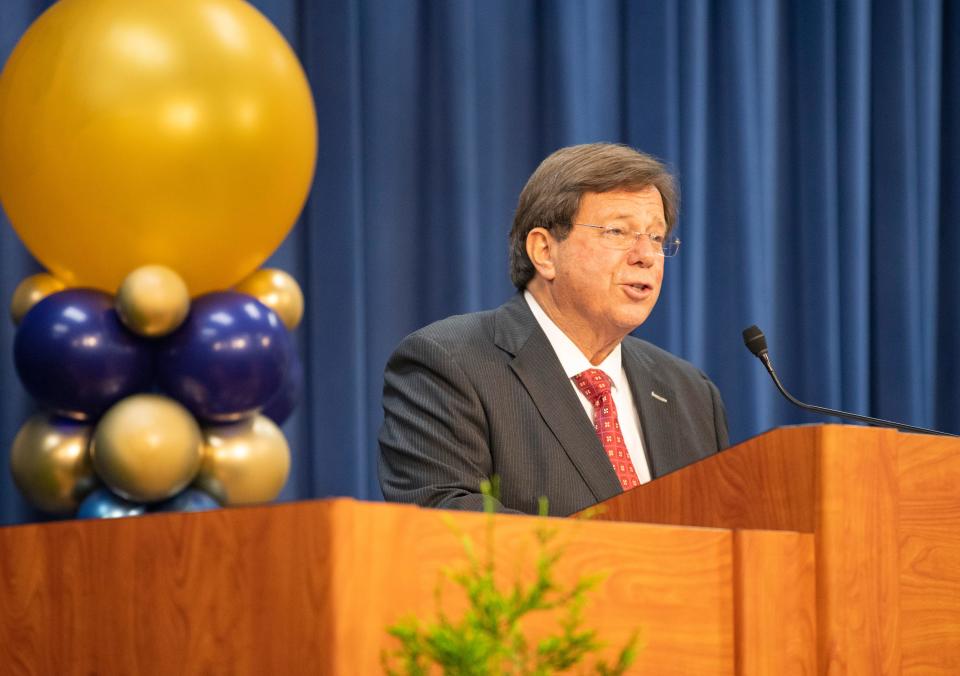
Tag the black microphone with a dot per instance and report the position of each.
(754, 340)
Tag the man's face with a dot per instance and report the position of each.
(609, 290)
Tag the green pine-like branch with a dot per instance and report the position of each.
(489, 640)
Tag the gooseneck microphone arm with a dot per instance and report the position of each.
(755, 341)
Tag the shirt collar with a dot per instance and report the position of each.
(571, 358)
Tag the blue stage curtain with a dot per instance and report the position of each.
(816, 145)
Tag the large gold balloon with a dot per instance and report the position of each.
(147, 448)
(278, 291)
(244, 463)
(31, 291)
(153, 300)
(50, 463)
(171, 132)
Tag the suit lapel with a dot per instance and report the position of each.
(658, 418)
(538, 368)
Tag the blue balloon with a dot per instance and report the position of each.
(281, 406)
(73, 355)
(228, 359)
(189, 500)
(102, 504)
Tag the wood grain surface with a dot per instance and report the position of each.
(310, 588)
(884, 510)
(672, 584)
(929, 541)
(765, 483)
(857, 559)
(775, 589)
(167, 594)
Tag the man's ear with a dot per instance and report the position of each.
(541, 248)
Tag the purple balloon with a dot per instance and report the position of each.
(73, 355)
(228, 359)
(286, 399)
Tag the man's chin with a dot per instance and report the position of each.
(631, 319)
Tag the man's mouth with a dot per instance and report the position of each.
(639, 290)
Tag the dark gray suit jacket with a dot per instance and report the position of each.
(482, 394)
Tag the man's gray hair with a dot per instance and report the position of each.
(551, 197)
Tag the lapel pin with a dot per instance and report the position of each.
(657, 397)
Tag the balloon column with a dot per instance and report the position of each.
(166, 155)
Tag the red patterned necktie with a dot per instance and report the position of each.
(595, 385)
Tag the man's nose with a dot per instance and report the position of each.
(644, 251)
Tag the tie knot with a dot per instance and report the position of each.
(593, 382)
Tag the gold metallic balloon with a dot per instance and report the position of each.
(50, 463)
(31, 291)
(170, 132)
(153, 300)
(278, 291)
(147, 448)
(244, 463)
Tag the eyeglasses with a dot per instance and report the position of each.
(617, 237)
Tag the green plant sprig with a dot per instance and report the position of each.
(488, 640)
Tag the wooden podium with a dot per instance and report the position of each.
(879, 568)
(805, 550)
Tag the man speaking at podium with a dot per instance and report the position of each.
(548, 391)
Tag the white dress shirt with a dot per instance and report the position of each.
(574, 362)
